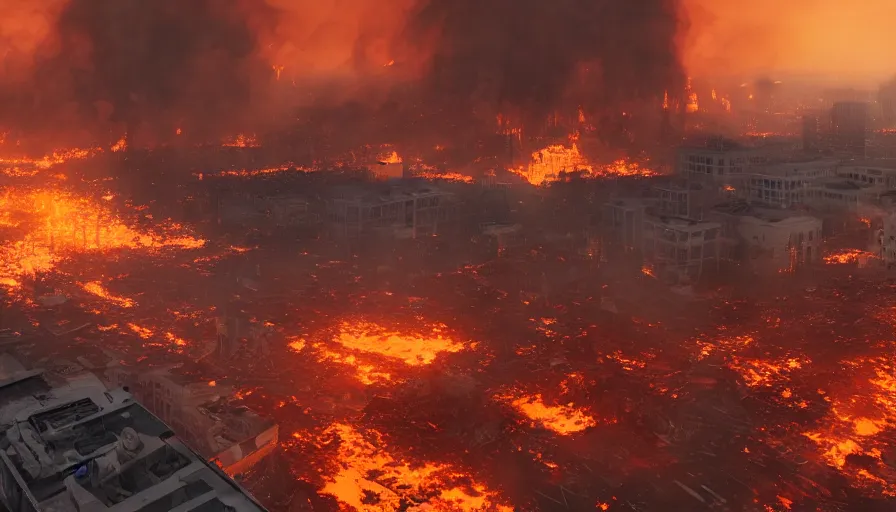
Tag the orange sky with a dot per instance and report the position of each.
(849, 42)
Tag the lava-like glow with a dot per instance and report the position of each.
(390, 158)
(759, 372)
(370, 479)
(562, 419)
(121, 145)
(445, 176)
(413, 350)
(20, 166)
(548, 164)
(96, 288)
(248, 173)
(856, 425)
(47, 225)
(242, 141)
(848, 256)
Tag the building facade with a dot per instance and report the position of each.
(680, 250)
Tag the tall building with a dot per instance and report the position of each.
(810, 132)
(848, 127)
(887, 98)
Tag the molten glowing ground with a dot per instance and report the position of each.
(562, 419)
(46, 225)
(413, 350)
(99, 290)
(367, 468)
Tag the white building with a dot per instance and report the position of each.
(724, 162)
(876, 173)
(405, 209)
(840, 195)
(784, 184)
(777, 240)
(680, 250)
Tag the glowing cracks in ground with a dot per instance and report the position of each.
(370, 479)
(96, 288)
(562, 419)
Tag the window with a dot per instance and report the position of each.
(810, 236)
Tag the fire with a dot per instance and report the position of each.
(413, 350)
(848, 256)
(446, 176)
(388, 64)
(277, 70)
(99, 290)
(666, 100)
(14, 165)
(549, 163)
(121, 145)
(866, 221)
(248, 173)
(758, 372)
(370, 479)
(52, 224)
(242, 141)
(562, 419)
(390, 158)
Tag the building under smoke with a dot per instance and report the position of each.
(848, 128)
(887, 99)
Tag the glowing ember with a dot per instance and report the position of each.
(372, 480)
(848, 256)
(99, 290)
(390, 158)
(141, 331)
(647, 270)
(121, 145)
(48, 161)
(51, 224)
(562, 419)
(242, 141)
(446, 176)
(411, 349)
(248, 173)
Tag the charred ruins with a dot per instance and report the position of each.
(488, 265)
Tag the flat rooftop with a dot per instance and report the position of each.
(80, 447)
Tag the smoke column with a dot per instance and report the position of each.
(95, 68)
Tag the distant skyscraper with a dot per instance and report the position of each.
(887, 99)
(848, 125)
(810, 132)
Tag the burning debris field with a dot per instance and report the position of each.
(447, 256)
(463, 379)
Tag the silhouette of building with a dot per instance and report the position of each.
(848, 127)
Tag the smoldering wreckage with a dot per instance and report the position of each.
(508, 293)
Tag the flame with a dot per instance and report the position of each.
(666, 100)
(388, 64)
(367, 470)
(390, 158)
(178, 131)
(121, 145)
(53, 224)
(848, 256)
(14, 166)
(413, 350)
(547, 165)
(96, 288)
(445, 176)
(277, 70)
(242, 141)
(562, 419)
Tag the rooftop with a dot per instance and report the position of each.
(773, 215)
(81, 447)
(388, 192)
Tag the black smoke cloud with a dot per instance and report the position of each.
(206, 66)
(538, 55)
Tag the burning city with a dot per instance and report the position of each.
(443, 256)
